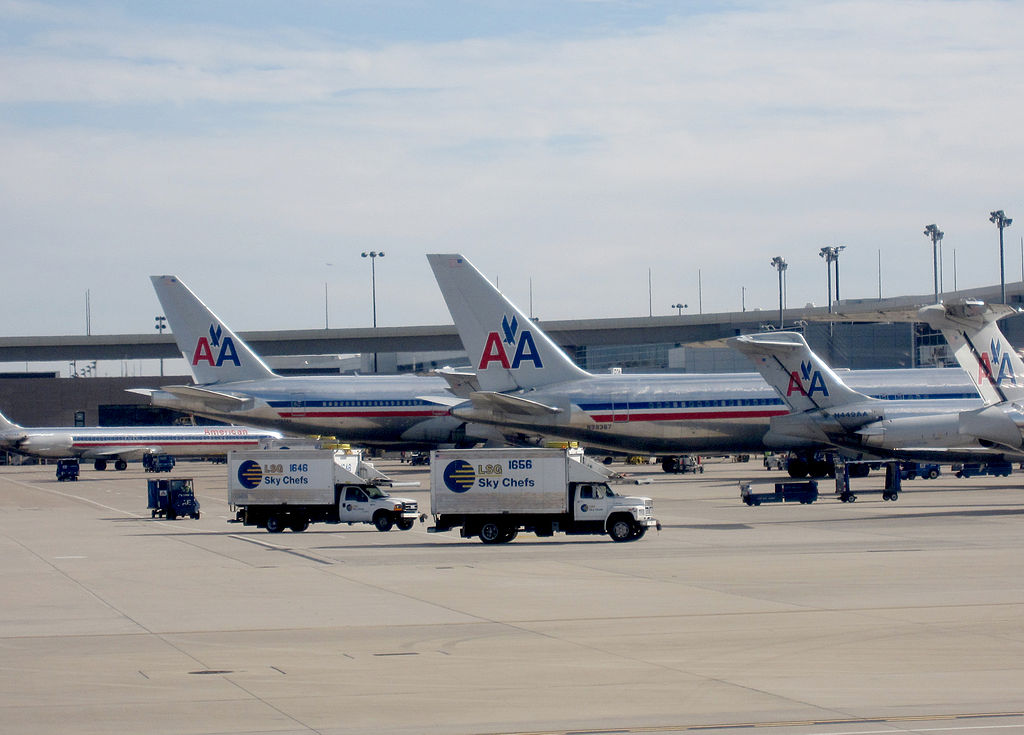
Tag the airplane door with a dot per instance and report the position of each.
(620, 409)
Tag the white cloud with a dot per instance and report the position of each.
(249, 159)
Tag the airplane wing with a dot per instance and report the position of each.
(129, 452)
(448, 401)
(216, 400)
(501, 403)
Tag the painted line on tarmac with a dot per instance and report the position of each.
(804, 723)
(284, 549)
(30, 486)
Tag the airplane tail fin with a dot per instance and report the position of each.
(796, 373)
(971, 329)
(214, 352)
(508, 350)
(6, 424)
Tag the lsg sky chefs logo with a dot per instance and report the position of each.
(250, 474)
(459, 476)
(519, 343)
(224, 346)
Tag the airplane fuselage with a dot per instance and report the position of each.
(665, 414)
(99, 442)
(393, 411)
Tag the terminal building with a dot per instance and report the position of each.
(689, 343)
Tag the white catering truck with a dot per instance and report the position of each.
(495, 493)
(291, 488)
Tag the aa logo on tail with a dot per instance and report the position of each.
(806, 377)
(520, 344)
(205, 347)
(1001, 360)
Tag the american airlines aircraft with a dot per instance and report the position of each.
(118, 444)
(528, 383)
(824, 409)
(234, 384)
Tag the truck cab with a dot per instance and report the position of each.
(372, 504)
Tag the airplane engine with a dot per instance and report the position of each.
(995, 424)
(46, 445)
(939, 431)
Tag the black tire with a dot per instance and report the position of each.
(120, 465)
(509, 534)
(797, 468)
(405, 524)
(621, 529)
(383, 522)
(491, 532)
(299, 525)
(933, 473)
(171, 515)
(99, 465)
(638, 532)
(274, 524)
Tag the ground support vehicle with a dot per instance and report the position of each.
(775, 461)
(173, 498)
(785, 492)
(681, 464)
(845, 470)
(291, 488)
(158, 462)
(973, 469)
(67, 469)
(496, 493)
(913, 470)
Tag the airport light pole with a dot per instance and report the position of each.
(161, 325)
(779, 264)
(935, 234)
(679, 308)
(326, 309)
(831, 255)
(1002, 222)
(373, 255)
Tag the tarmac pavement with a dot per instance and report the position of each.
(867, 617)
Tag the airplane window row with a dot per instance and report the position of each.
(147, 437)
(347, 404)
(725, 402)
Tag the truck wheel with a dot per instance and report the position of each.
(933, 473)
(404, 524)
(274, 524)
(639, 532)
(621, 529)
(491, 533)
(300, 524)
(383, 522)
(509, 534)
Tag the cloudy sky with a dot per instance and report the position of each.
(257, 148)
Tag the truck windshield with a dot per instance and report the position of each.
(375, 492)
(608, 492)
